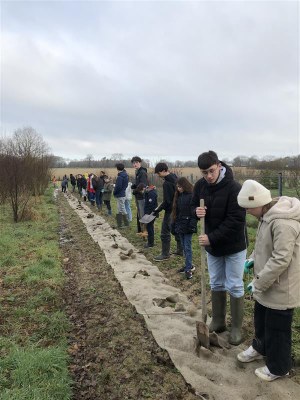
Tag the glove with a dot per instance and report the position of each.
(251, 288)
(249, 264)
(155, 213)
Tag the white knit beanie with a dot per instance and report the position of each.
(253, 194)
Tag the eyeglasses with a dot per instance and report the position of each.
(210, 171)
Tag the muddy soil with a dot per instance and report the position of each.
(113, 355)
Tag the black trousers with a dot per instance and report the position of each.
(165, 233)
(150, 230)
(107, 203)
(273, 337)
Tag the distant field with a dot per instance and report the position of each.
(112, 172)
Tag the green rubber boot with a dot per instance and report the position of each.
(218, 301)
(237, 314)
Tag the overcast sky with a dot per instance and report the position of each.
(160, 79)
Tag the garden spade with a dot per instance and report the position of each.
(146, 218)
(201, 327)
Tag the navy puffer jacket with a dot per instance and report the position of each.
(150, 201)
(121, 184)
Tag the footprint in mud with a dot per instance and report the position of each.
(141, 272)
(169, 301)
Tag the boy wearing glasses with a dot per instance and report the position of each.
(224, 240)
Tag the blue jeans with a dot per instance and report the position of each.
(186, 242)
(128, 210)
(226, 273)
(99, 194)
(121, 205)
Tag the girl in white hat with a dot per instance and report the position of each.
(276, 283)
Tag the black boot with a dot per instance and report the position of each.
(237, 314)
(125, 219)
(179, 250)
(218, 301)
(165, 252)
(119, 220)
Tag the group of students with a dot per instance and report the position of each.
(275, 260)
(95, 189)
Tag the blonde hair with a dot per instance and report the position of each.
(268, 206)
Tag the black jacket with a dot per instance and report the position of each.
(225, 220)
(95, 182)
(169, 187)
(82, 182)
(98, 183)
(73, 180)
(141, 176)
(185, 221)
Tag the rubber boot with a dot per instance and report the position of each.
(165, 252)
(237, 314)
(179, 250)
(218, 301)
(119, 220)
(109, 212)
(125, 219)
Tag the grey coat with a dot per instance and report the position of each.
(277, 256)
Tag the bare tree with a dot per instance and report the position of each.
(117, 156)
(89, 158)
(24, 164)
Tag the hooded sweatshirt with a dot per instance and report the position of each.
(277, 256)
(169, 187)
(141, 176)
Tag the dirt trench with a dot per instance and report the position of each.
(113, 355)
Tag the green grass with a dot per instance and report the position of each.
(33, 345)
(34, 373)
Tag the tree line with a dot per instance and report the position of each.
(264, 163)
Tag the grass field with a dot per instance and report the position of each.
(33, 345)
(112, 172)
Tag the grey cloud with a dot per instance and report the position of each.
(180, 75)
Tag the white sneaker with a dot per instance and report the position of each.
(249, 355)
(265, 374)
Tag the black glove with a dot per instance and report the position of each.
(155, 213)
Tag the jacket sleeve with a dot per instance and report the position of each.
(167, 197)
(284, 239)
(235, 215)
(195, 201)
(117, 187)
(143, 178)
